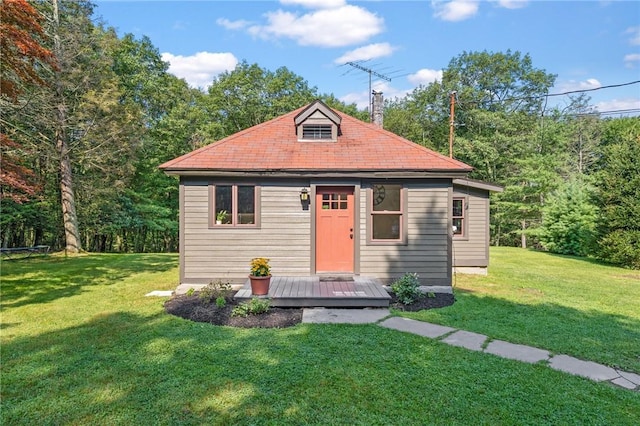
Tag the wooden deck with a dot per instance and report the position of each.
(312, 292)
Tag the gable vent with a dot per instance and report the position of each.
(316, 131)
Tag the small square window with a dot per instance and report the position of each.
(234, 205)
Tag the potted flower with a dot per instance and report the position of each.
(260, 276)
(221, 217)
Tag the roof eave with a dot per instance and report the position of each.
(400, 173)
(478, 184)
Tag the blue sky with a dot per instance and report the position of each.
(587, 44)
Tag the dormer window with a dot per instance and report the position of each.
(316, 131)
(317, 122)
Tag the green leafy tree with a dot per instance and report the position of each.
(618, 196)
(251, 95)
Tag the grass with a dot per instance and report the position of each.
(564, 304)
(81, 344)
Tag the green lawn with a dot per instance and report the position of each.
(81, 344)
(564, 304)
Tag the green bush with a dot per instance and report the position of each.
(407, 288)
(214, 291)
(253, 307)
(221, 302)
(569, 220)
(621, 247)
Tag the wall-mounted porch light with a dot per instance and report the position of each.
(305, 199)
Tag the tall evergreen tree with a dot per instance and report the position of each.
(618, 182)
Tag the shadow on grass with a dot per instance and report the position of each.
(46, 279)
(592, 335)
(124, 368)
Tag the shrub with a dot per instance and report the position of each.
(407, 288)
(221, 302)
(190, 291)
(621, 247)
(569, 220)
(253, 307)
(215, 290)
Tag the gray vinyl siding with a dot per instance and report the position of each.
(285, 231)
(473, 249)
(210, 253)
(427, 248)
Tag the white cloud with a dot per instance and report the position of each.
(336, 27)
(425, 76)
(200, 69)
(232, 25)
(572, 85)
(619, 104)
(179, 25)
(513, 4)
(456, 10)
(631, 59)
(315, 4)
(371, 51)
(635, 35)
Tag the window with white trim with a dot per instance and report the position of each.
(234, 205)
(387, 213)
(457, 217)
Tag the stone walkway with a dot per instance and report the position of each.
(476, 342)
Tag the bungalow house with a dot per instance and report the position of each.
(321, 193)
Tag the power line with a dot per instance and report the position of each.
(614, 111)
(610, 86)
(548, 95)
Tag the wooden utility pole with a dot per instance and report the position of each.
(451, 122)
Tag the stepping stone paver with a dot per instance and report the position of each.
(416, 327)
(517, 352)
(160, 293)
(632, 377)
(466, 339)
(475, 341)
(436, 289)
(578, 367)
(622, 382)
(343, 316)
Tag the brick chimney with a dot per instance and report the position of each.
(377, 109)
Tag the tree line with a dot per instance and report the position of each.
(87, 117)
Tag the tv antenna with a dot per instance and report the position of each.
(370, 72)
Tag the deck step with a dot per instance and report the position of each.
(313, 292)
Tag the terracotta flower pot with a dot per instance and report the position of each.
(260, 285)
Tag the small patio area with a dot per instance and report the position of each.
(316, 292)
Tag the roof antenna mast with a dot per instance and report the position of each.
(370, 72)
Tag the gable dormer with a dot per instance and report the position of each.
(317, 123)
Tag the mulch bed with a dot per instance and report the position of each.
(194, 309)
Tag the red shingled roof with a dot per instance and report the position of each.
(274, 146)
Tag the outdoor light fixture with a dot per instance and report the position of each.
(304, 195)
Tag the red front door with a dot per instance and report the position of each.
(334, 229)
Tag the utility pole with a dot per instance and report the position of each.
(370, 72)
(451, 121)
